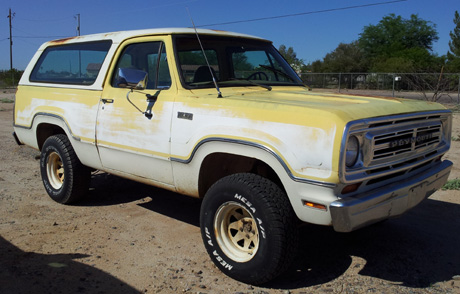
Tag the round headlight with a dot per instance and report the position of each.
(352, 152)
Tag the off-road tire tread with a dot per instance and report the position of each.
(282, 221)
(281, 213)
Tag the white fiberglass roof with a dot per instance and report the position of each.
(118, 37)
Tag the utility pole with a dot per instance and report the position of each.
(78, 24)
(11, 42)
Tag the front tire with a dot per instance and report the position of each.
(66, 180)
(249, 228)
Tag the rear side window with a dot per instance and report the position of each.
(76, 64)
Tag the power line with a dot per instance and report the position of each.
(303, 13)
(29, 43)
(46, 20)
(32, 36)
(40, 37)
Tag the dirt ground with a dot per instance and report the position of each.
(131, 238)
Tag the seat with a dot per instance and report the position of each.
(202, 74)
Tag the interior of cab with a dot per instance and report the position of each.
(232, 61)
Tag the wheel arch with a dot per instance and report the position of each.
(46, 125)
(46, 130)
(221, 164)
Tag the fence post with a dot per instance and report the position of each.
(393, 85)
(340, 78)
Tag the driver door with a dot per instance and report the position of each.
(131, 143)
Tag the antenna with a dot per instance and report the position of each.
(219, 94)
(77, 17)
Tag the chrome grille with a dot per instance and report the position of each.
(405, 141)
(397, 145)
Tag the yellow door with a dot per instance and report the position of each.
(133, 134)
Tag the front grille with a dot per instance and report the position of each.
(396, 145)
(406, 141)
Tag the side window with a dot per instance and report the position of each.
(77, 63)
(149, 57)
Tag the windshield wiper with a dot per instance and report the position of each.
(252, 83)
(284, 74)
(277, 71)
(197, 84)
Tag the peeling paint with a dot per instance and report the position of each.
(303, 128)
(61, 41)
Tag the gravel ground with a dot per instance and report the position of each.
(131, 238)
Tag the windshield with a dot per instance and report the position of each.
(233, 62)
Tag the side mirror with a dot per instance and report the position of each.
(133, 79)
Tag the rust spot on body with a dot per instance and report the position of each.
(62, 41)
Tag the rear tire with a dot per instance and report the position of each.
(249, 228)
(66, 180)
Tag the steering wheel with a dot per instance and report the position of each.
(259, 75)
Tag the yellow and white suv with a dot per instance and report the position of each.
(232, 123)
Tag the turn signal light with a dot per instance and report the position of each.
(314, 205)
(350, 188)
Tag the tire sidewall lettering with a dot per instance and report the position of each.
(225, 264)
(253, 210)
(208, 236)
(246, 202)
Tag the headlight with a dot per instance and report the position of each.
(352, 152)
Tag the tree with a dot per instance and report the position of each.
(317, 66)
(345, 58)
(453, 55)
(291, 57)
(397, 38)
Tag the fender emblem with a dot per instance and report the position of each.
(185, 115)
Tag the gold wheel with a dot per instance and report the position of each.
(236, 232)
(55, 170)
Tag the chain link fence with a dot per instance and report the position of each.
(428, 86)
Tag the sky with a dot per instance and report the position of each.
(318, 29)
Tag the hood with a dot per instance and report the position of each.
(348, 107)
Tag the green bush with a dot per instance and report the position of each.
(452, 185)
(10, 78)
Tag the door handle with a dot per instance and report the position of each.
(105, 100)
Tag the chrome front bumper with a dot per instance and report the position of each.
(358, 211)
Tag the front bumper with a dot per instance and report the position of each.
(358, 211)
